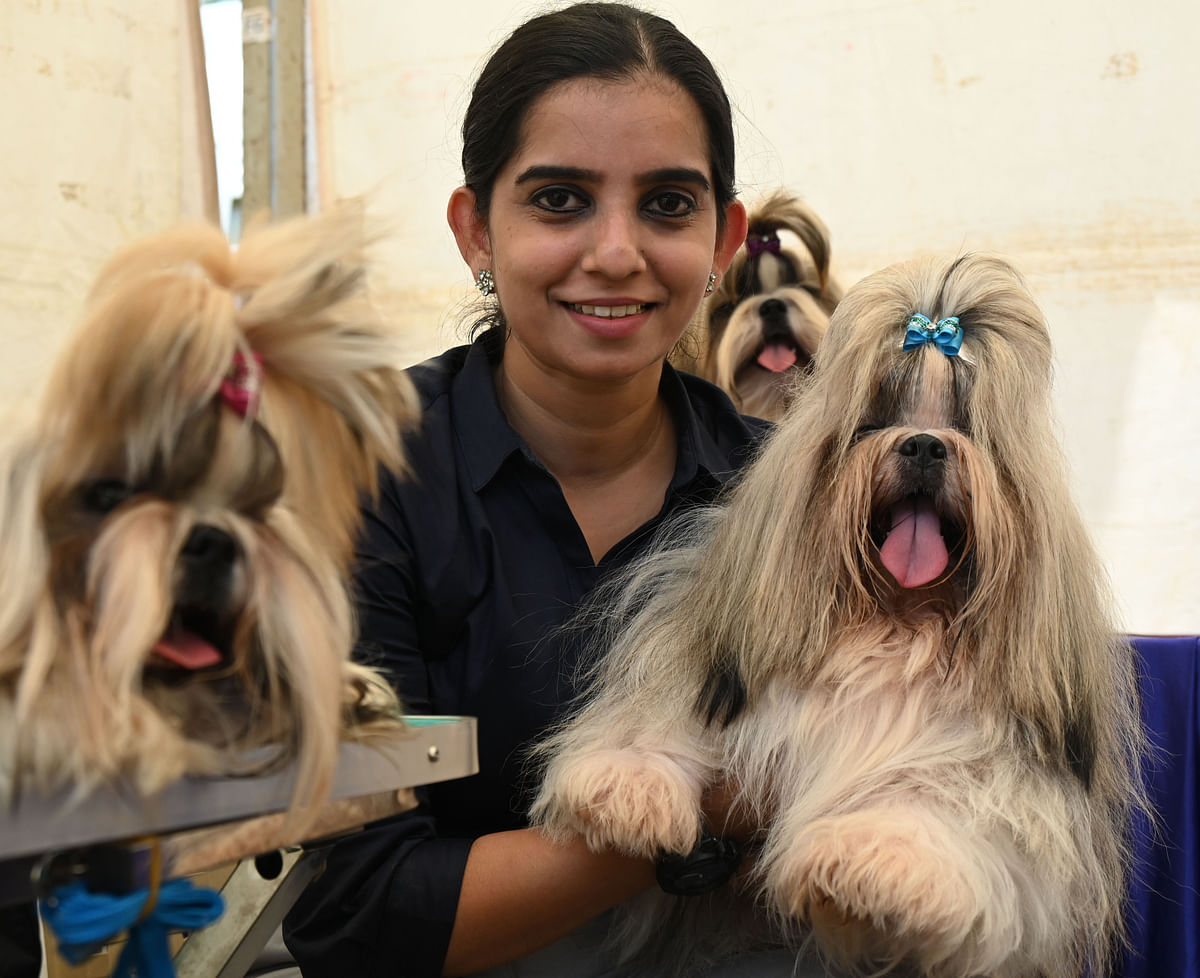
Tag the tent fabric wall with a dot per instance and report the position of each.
(107, 137)
(1057, 134)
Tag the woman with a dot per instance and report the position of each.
(598, 205)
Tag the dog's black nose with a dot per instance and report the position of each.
(209, 546)
(923, 449)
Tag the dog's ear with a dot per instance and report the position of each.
(24, 558)
(813, 234)
(782, 211)
(335, 397)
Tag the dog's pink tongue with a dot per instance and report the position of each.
(777, 357)
(914, 551)
(186, 650)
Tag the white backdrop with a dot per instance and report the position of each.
(1061, 133)
(105, 138)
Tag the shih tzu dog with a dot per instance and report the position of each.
(178, 521)
(894, 640)
(757, 332)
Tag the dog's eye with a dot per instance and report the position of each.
(863, 430)
(105, 495)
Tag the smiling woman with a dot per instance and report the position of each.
(600, 239)
(596, 211)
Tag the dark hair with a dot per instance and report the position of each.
(587, 40)
(612, 41)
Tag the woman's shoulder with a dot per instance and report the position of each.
(435, 377)
(461, 436)
(717, 414)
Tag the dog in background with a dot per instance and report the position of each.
(896, 641)
(179, 520)
(758, 330)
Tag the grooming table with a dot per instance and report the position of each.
(106, 838)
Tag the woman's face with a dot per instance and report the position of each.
(604, 228)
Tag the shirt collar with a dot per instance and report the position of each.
(485, 434)
(488, 439)
(695, 455)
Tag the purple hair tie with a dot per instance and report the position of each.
(759, 241)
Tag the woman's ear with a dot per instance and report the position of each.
(470, 230)
(731, 236)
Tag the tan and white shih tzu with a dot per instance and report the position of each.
(894, 639)
(756, 334)
(178, 520)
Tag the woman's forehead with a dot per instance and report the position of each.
(642, 123)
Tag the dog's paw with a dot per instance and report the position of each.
(876, 888)
(637, 802)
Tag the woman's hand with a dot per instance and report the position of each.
(730, 814)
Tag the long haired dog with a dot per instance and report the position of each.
(895, 641)
(757, 333)
(178, 524)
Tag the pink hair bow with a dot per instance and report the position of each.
(242, 384)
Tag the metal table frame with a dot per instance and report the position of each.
(201, 823)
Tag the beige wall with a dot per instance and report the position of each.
(1059, 132)
(102, 142)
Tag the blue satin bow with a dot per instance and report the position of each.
(945, 334)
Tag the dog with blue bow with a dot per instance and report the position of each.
(895, 640)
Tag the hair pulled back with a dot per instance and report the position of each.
(611, 41)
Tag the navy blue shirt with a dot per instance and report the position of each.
(466, 570)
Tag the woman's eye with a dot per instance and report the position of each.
(561, 200)
(672, 203)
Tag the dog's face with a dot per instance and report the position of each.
(172, 542)
(186, 506)
(761, 326)
(913, 446)
(936, 438)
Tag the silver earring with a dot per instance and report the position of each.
(485, 282)
(712, 283)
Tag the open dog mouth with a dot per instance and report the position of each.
(197, 638)
(779, 355)
(915, 542)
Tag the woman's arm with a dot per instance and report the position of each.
(521, 892)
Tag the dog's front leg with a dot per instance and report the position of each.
(636, 792)
(893, 884)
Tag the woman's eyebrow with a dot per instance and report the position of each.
(677, 174)
(670, 174)
(550, 172)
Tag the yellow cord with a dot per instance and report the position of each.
(155, 878)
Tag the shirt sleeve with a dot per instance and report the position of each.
(386, 901)
(384, 905)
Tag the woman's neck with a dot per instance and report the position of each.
(584, 431)
(611, 448)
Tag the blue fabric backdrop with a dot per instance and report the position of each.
(1165, 921)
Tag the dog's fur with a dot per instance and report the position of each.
(757, 333)
(944, 772)
(142, 513)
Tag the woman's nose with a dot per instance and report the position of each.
(615, 246)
